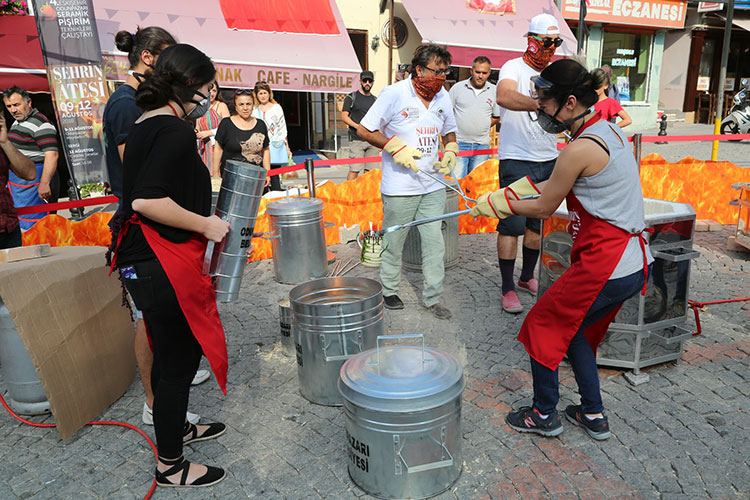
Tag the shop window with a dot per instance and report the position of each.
(629, 56)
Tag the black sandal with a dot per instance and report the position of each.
(190, 434)
(212, 476)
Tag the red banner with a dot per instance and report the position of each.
(290, 16)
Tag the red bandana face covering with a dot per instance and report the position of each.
(428, 86)
(537, 55)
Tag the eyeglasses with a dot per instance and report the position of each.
(549, 42)
(366, 80)
(243, 92)
(437, 72)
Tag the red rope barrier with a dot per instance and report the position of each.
(48, 207)
(696, 306)
(696, 138)
(373, 159)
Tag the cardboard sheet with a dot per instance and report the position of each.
(68, 314)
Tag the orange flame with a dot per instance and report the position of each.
(705, 185)
(59, 231)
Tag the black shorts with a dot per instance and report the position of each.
(511, 171)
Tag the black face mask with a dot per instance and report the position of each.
(552, 125)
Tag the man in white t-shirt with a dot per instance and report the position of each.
(406, 122)
(524, 149)
(476, 110)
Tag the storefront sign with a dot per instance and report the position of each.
(234, 76)
(728, 84)
(70, 45)
(710, 6)
(657, 13)
(704, 82)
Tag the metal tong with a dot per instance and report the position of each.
(419, 222)
(460, 190)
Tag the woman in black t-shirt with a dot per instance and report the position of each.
(159, 242)
(241, 137)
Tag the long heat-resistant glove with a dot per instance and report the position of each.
(445, 166)
(495, 204)
(524, 187)
(402, 154)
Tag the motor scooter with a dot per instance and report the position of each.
(738, 119)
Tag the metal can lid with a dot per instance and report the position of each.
(401, 379)
(294, 206)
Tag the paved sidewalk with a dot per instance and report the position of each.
(683, 435)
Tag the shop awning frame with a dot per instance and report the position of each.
(287, 61)
(468, 32)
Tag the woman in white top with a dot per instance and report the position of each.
(268, 110)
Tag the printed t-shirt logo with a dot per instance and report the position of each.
(411, 114)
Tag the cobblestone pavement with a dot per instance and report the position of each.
(683, 435)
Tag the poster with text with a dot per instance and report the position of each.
(70, 45)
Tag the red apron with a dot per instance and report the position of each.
(183, 265)
(556, 317)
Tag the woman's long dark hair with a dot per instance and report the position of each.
(179, 70)
(152, 39)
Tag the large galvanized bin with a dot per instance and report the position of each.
(412, 255)
(297, 239)
(238, 203)
(25, 392)
(332, 320)
(403, 420)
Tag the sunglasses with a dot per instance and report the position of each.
(366, 80)
(548, 42)
(243, 92)
(437, 72)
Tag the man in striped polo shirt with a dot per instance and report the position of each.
(34, 136)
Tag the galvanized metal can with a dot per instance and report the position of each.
(285, 327)
(238, 203)
(297, 239)
(332, 320)
(412, 256)
(403, 419)
(25, 392)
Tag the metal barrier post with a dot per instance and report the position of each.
(722, 76)
(310, 176)
(637, 149)
(662, 129)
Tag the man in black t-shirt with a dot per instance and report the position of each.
(356, 106)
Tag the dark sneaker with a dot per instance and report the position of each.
(597, 428)
(528, 419)
(393, 302)
(440, 312)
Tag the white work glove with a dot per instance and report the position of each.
(445, 166)
(497, 204)
(402, 154)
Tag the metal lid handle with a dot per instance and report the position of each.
(401, 336)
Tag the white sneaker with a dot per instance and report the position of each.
(200, 377)
(148, 416)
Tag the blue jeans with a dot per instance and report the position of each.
(466, 164)
(580, 354)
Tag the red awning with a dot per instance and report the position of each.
(21, 61)
(293, 45)
(495, 29)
